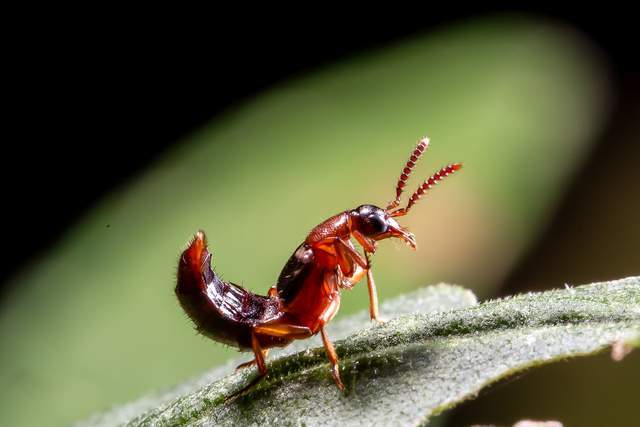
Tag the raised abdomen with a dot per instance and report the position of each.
(220, 310)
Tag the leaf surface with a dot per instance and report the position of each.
(415, 365)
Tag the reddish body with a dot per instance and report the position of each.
(307, 293)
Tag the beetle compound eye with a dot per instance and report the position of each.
(374, 224)
(373, 220)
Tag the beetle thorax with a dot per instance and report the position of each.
(336, 226)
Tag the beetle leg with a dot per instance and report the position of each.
(262, 369)
(333, 358)
(373, 293)
(340, 279)
(367, 244)
(284, 330)
(346, 250)
(349, 282)
(252, 362)
(246, 364)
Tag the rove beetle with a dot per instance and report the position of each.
(307, 294)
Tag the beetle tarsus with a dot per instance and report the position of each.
(245, 365)
(244, 390)
(335, 371)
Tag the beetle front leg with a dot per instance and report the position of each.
(369, 247)
(373, 293)
(349, 282)
(367, 244)
(345, 250)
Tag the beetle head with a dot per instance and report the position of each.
(376, 224)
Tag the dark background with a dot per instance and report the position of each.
(97, 101)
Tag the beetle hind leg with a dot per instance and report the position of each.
(246, 364)
(252, 362)
(262, 369)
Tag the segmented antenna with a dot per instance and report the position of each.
(427, 185)
(423, 144)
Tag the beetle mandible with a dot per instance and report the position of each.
(307, 294)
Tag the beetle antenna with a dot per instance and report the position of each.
(427, 185)
(408, 168)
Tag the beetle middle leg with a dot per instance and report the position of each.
(333, 358)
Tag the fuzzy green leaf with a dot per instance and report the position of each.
(414, 366)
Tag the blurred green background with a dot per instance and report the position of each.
(519, 101)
